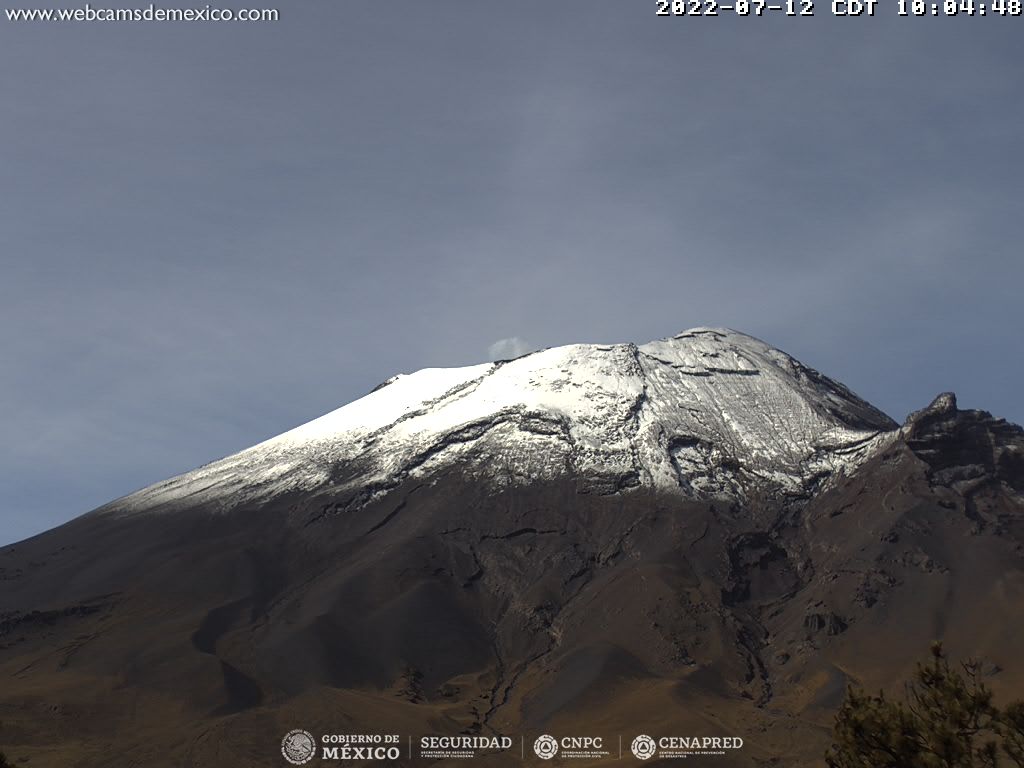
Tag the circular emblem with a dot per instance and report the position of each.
(643, 747)
(298, 746)
(546, 747)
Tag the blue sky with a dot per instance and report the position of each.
(214, 232)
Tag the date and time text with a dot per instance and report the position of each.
(838, 7)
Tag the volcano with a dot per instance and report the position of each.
(697, 537)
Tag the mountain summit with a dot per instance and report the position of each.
(710, 412)
(696, 537)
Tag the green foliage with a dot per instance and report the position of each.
(947, 721)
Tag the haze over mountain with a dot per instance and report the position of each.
(697, 535)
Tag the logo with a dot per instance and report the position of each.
(360, 746)
(546, 747)
(643, 747)
(298, 746)
(664, 747)
(570, 747)
(462, 747)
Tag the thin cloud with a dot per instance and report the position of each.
(506, 349)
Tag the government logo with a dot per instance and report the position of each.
(643, 747)
(462, 747)
(546, 747)
(298, 746)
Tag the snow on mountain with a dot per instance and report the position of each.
(708, 412)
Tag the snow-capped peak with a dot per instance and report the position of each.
(707, 411)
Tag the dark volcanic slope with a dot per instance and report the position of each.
(446, 605)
